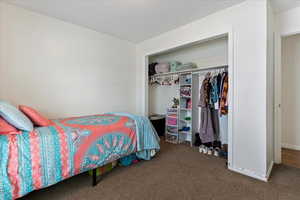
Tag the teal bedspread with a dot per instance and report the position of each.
(147, 138)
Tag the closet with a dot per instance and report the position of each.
(175, 93)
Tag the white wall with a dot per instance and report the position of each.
(291, 92)
(288, 22)
(63, 69)
(248, 21)
(209, 53)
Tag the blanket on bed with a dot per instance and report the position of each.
(147, 138)
(47, 155)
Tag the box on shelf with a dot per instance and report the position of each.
(172, 121)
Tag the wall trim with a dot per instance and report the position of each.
(250, 173)
(290, 146)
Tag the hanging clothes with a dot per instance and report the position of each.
(206, 131)
(224, 95)
(223, 118)
(214, 92)
(204, 92)
(219, 84)
(209, 130)
(213, 103)
(215, 123)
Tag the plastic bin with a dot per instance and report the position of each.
(172, 121)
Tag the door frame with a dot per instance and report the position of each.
(278, 93)
(231, 69)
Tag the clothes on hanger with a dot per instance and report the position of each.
(214, 93)
(214, 108)
(206, 130)
(224, 95)
(204, 92)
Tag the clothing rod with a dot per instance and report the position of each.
(207, 70)
(191, 71)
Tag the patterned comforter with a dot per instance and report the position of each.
(47, 155)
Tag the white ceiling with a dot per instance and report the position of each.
(282, 5)
(132, 20)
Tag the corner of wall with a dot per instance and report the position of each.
(270, 87)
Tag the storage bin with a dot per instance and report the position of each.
(174, 65)
(159, 123)
(187, 81)
(185, 91)
(162, 68)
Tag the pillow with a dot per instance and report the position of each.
(15, 117)
(6, 128)
(35, 116)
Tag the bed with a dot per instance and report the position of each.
(48, 155)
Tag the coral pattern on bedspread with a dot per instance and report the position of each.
(47, 155)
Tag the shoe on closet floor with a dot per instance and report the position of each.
(210, 151)
(217, 152)
(201, 148)
(205, 150)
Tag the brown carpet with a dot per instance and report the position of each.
(178, 172)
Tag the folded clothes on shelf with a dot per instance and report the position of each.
(174, 65)
(185, 128)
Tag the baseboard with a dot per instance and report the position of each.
(290, 146)
(250, 173)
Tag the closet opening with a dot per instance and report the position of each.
(188, 95)
(290, 100)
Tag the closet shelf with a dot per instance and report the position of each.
(171, 125)
(190, 71)
(186, 109)
(185, 121)
(183, 96)
(186, 132)
(175, 134)
(172, 117)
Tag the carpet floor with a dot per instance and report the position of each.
(177, 172)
